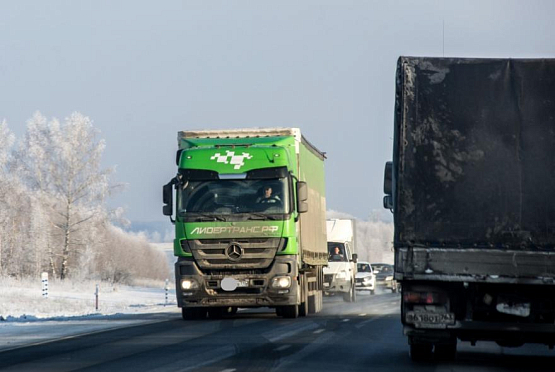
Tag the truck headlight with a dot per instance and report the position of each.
(341, 275)
(281, 282)
(188, 284)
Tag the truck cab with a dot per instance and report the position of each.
(249, 216)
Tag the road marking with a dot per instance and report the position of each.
(319, 343)
(319, 331)
(229, 370)
(346, 320)
(278, 334)
(363, 314)
(366, 322)
(281, 348)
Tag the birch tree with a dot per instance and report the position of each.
(61, 162)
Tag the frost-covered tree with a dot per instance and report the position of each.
(61, 162)
(6, 142)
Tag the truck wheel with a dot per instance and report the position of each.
(279, 311)
(446, 352)
(420, 352)
(290, 311)
(193, 313)
(350, 296)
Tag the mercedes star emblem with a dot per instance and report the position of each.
(234, 252)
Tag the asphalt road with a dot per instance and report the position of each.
(362, 336)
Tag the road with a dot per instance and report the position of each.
(361, 336)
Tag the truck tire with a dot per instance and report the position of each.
(193, 313)
(290, 311)
(420, 352)
(446, 352)
(351, 295)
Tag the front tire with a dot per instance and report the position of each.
(290, 311)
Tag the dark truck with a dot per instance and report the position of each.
(472, 187)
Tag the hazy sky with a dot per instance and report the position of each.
(142, 70)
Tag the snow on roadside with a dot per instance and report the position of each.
(69, 310)
(22, 299)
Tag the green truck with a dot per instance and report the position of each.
(250, 229)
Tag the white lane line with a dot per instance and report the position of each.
(278, 335)
(319, 343)
(229, 370)
(319, 331)
(366, 322)
(281, 348)
(346, 320)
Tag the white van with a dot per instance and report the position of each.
(339, 275)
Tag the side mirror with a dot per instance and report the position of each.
(388, 179)
(355, 258)
(167, 197)
(178, 156)
(388, 202)
(302, 197)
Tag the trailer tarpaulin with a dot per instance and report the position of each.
(474, 161)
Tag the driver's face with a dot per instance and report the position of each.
(337, 250)
(267, 192)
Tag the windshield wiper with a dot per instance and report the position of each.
(260, 217)
(209, 217)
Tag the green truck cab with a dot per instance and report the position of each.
(250, 227)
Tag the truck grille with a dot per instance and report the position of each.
(253, 253)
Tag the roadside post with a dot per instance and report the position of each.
(44, 278)
(167, 287)
(96, 297)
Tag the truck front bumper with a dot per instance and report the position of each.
(254, 289)
(337, 285)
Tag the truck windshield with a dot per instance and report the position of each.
(226, 199)
(336, 252)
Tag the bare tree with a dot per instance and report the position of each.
(62, 163)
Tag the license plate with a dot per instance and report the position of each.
(231, 284)
(326, 285)
(430, 318)
(243, 283)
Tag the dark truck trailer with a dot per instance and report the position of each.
(472, 187)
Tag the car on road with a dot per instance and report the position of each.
(384, 276)
(365, 279)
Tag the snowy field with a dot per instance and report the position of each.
(70, 309)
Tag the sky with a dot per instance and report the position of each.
(143, 70)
